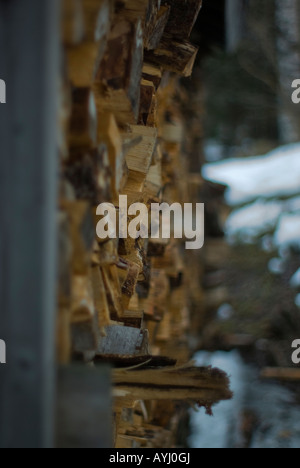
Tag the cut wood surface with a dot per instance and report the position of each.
(140, 157)
(123, 341)
(120, 71)
(72, 22)
(174, 55)
(157, 28)
(152, 73)
(183, 16)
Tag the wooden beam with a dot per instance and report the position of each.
(283, 374)
(204, 386)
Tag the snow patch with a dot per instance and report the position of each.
(297, 301)
(254, 220)
(295, 280)
(288, 231)
(276, 174)
(276, 266)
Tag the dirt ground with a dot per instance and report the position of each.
(264, 320)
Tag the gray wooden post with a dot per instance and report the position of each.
(29, 64)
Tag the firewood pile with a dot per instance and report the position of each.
(126, 302)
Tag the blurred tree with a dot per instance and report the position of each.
(249, 86)
(238, 105)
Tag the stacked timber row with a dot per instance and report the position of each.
(125, 302)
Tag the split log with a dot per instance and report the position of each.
(156, 28)
(113, 291)
(203, 386)
(83, 60)
(72, 22)
(107, 253)
(183, 16)
(142, 362)
(152, 118)
(146, 102)
(134, 188)
(82, 235)
(152, 73)
(89, 172)
(174, 55)
(119, 74)
(108, 132)
(83, 124)
(125, 341)
(133, 318)
(173, 132)
(130, 276)
(139, 159)
(155, 304)
(134, 10)
(97, 18)
(100, 299)
(154, 181)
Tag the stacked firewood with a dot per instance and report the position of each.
(125, 302)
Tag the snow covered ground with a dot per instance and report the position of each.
(264, 193)
(276, 174)
(278, 418)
